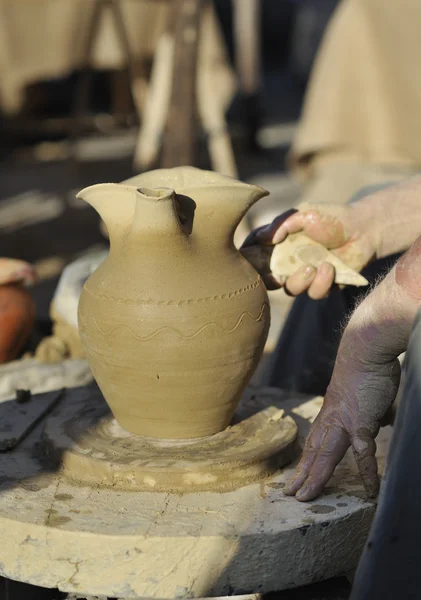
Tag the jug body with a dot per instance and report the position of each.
(173, 322)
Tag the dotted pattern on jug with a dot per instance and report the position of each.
(150, 302)
(259, 317)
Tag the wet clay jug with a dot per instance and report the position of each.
(174, 321)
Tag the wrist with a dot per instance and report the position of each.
(366, 222)
(379, 329)
(394, 214)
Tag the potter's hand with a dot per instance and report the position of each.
(358, 397)
(342, 229)
(380, 224)
(364, 381)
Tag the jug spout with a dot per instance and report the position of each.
(115, 204)
(126, 208)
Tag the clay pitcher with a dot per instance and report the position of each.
(174, 321)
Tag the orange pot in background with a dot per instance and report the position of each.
(17, 307)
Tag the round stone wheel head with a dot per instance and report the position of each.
(91, 448)
(61, 534)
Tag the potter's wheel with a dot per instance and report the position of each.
(93, 449)
(98, 540)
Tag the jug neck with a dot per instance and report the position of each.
(128, 212)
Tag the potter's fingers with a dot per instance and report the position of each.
(322, 282)
(275, 230)
(334, 445)
(300, 281)
(323, 226)
(301, 473)
(265, 234)
(364, 448)
(302, 470)
(293, 224)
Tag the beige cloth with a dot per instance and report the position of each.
(42, 39)
(336, 178)
(362, 116)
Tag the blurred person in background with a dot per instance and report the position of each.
(360, 131)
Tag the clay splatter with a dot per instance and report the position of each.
(322, 509)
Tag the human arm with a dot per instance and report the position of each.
(364, 382)
(380, 224)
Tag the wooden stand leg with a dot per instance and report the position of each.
(214, 92)
(178, 147)
(247, 58)
(137, 78)
(83, 87)
(156, 104)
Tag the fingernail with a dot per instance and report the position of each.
(280, 234)
(307, 271)
(288, 489)
(302, 493)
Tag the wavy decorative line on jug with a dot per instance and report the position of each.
(150, 302)
(152, 335)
